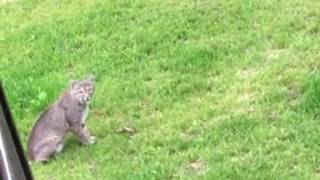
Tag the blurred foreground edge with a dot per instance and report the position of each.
(13, 163)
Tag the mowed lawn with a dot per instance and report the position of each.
(211, 89)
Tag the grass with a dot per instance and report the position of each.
(215, 89)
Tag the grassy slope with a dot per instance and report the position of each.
(233, 85)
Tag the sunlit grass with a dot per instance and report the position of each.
(214, 89)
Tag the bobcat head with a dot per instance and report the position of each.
(82, 90)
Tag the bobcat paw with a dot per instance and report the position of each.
(92, 139)
(88, 141)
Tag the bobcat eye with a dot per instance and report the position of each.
(90, 89)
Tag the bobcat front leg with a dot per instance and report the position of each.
(83, 134)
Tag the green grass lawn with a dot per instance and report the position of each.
(215, 89)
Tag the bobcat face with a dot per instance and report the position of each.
(82, 91)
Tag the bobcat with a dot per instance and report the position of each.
(68, 114)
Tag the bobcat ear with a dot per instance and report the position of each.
(91, 78)
(73, 83)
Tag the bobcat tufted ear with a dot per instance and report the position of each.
(73, 83)
(91, 78)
